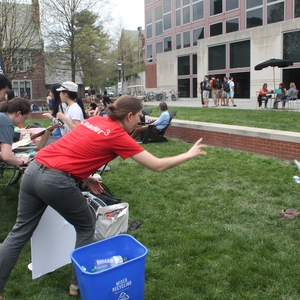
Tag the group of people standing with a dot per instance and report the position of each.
(221, 92)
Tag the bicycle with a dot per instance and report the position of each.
(173, 95)
(150, 96)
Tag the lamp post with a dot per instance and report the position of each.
(120, 69)
(120, 82)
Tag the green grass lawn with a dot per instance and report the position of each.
(270, 119)
(210, 226)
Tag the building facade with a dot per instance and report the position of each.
(187, 39)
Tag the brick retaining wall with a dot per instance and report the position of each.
(274, 143)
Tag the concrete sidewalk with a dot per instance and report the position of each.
(240, 104)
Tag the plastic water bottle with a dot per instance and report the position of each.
(106, 263)
(296, 179)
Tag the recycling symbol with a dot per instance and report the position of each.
(123, 296)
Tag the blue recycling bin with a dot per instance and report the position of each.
(125, 281)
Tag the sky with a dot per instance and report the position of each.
(131, 12)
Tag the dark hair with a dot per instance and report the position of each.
(15, 105)
(80, 103)
(57, 102)
(72, 95)
(282, 85)
(163, 106)
(10, 94)
(123, 106)
(4, 82)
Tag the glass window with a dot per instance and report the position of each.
(253, 3)
(177, 3)
(149, 53)
(159, 47)
(167, 44)
(291, 42)
(167, 21)
(167, 6)
(184, 87)
(275, 12)
(198, 10)
(178, 17)
(297, 9)
(148, 2)
(186, 15)
(149, 31)
(236, 59)
(254, 18)
(232, 4)
(158, 28)
(158, 13)
(186, 39)
(217, 57)
(216, 29)
(195, 64)
(149, 16)
(232, 25)
(184, 65)
(198, 34)
(216, 7)
(178, 41)
(186, 2)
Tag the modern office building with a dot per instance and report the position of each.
(187, 39)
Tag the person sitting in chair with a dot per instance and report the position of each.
(263, 95)
(160, 124)
(291, 94)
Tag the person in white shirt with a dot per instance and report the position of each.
(74, 114)
(231, 93)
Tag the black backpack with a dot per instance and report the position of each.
(217, 83)
(207, 85)
(226, 86)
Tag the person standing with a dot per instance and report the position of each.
(74, 114)
(226, 90)
(57, 106)
(201, 92)
(231, 92)
(214, 90)
(206, 91)
(59, 175)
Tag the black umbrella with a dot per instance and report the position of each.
(274, 62)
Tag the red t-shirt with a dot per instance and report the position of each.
(87, 147)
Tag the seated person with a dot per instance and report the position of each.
(280, 97)
(160, 123)
(263, 95)
(90, 111)
(290, 94)
(105, 100)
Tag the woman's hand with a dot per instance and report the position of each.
(94, 185)
(47, 115)
(61, 116)
(197, 149)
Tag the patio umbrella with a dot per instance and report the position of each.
(274, 62)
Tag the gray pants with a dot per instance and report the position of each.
(40, 188)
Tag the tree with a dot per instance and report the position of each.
(75, 34)
(20, 40)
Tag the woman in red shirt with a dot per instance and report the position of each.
(53, 179)
(263, 95)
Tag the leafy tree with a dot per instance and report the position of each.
(20, 40)
(75, 34)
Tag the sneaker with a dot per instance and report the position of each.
(139, 141)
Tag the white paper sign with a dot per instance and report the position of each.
(51, 243)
